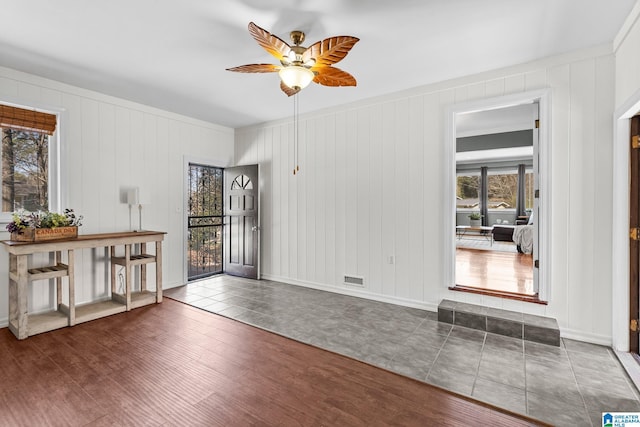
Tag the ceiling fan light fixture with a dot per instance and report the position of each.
(296, 77)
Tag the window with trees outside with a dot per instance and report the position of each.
(468, 191)
(528, 190)
(502, 189)
(26, 155)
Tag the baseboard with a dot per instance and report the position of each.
(585, 337)
(166, 286)
(354, 293)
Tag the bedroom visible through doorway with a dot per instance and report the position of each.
(496, 200)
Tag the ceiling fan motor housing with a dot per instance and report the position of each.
(297, 37)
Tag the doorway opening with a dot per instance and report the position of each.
(222, 219)
(634, 234)
(625, 286)
(495, 187)
(498, 192)
(204, 221)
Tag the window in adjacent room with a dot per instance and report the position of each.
(502, 189)
(27, 152)
(467, 192)
(528, 190)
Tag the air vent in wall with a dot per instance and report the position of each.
(353, 280)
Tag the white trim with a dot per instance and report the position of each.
(630, 365)
(58, 194)
(186, 160)
(543, 97)
(573, 334)
(620, 222)
(49, 84)
(628, 24)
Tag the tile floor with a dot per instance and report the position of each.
(567, 385)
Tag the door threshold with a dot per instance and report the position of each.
(499, 294)
(631, 363)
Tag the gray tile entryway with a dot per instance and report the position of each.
(566, 385)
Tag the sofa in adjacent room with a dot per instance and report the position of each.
(503, 233)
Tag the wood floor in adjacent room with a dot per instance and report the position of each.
(495, 270)
(172, 364)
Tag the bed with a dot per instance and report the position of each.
(523, 237)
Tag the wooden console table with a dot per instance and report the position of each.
(23, 324)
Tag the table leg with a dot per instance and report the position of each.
(72, 287)
(113, 270)
(18, 307)
(127, 275)
(158, 271)
(143, 269)
(58, 255)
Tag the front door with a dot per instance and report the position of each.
(634, 242)
(241, 230)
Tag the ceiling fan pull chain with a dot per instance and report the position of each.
(297, 107)
(295, 132)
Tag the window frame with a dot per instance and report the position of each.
(57, 169)
(468, 172)
(501, 171)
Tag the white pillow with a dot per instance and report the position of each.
(530, 219)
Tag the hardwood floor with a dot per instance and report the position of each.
(172, 364)
(499, 271)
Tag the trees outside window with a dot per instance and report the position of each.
(25, 170)
(468, 192)
(528, 190)
(502, 190)
(205, 221)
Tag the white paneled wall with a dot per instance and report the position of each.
(627, 67)
(627, 45)
(371, 184)
(110, 144)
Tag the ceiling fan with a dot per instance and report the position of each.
(301, 65)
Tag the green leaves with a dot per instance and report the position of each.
(22, 219)
(52, 219)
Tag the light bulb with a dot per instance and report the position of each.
(296, 77)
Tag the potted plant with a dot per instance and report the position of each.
(475, 219)
(37, 226)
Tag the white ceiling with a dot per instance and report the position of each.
(173, 54)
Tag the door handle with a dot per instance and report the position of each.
(255, 228)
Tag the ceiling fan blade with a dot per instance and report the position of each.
(272, 44)
(286, 89)
(256, 68)
(329, 51)
(332, 76)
